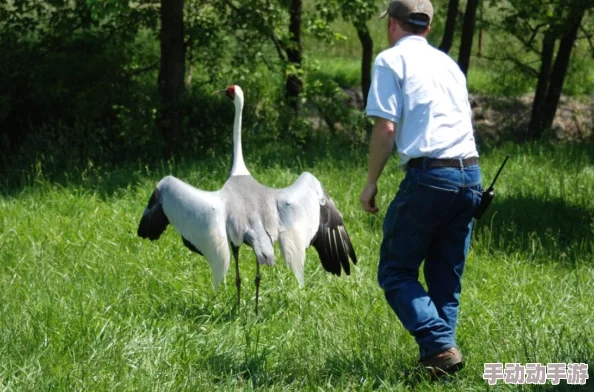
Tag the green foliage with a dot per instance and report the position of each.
(498, 79)
(69, 69)
(515, 42)
(76, 71)
(344, 72)
(352, 11)
(580, 80)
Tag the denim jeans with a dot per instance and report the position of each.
(430, 219)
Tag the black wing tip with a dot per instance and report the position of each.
(146, 234)
(154, 221)
(332, 241)
(148, 230)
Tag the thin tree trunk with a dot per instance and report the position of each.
(192, 64)
(294, 83)
(171, 72)
(560, 67)
(450, 26)
(480, 33)
(480, 44)
(546, 60)
(366, 59)
(467, 35)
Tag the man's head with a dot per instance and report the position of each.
(414, 16)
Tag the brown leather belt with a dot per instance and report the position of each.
(419, 163)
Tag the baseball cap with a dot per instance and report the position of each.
(416, 12)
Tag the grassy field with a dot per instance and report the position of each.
(87, 305)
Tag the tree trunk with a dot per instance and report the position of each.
(546, 60)
(192, 64)
(171, 72)
(450, 26)
(294, 50)
(480, 33)
(366, 59)
(560, 67)
(467, 35)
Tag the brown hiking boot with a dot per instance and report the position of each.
(446, 362)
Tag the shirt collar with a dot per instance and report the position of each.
(411, 38)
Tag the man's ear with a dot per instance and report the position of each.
(392, 23)
(427, 31)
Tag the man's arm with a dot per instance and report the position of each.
(381, 146)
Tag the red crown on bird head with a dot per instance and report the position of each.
(231, 92)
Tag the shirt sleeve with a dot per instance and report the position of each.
(385, 94)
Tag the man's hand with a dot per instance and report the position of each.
(368, 198)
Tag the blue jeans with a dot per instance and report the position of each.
(430, 219)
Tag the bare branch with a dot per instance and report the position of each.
(144, 69)
(523, 67)
(535, 31)
(588, 36)
(527, 69)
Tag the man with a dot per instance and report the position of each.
(419, 100)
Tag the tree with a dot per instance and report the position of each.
(171, 72)
(541, 28)
(450, 26)
(546, 59)
(356, 12)
(467, 35)
(67, 65)
(257, 21)
(293, 50)
(559, 71)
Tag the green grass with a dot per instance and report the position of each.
(87, 305)
(346, 72)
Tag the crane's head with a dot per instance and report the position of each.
(234, 92)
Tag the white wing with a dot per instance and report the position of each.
(199, 217)
(307, 217)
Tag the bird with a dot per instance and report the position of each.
(244, 211)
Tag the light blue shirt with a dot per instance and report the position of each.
(423, 91)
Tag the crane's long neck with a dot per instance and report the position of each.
(238, 168)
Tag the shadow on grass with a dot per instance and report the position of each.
(258, 369)
(250, 370)
(213, 310)
(108, 178)
(530, 225)
(360, 368)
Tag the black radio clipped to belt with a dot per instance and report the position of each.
(488, 195)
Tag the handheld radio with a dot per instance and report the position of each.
(488, 195)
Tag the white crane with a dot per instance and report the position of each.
(247, 212)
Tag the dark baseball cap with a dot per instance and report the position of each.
(416, 12)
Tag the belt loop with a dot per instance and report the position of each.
(461, 161)
(424, 163)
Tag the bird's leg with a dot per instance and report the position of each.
(237, 278)
(257, 281)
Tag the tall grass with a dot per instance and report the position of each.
(87, 305)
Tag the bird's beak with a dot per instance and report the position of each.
(218, 92)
